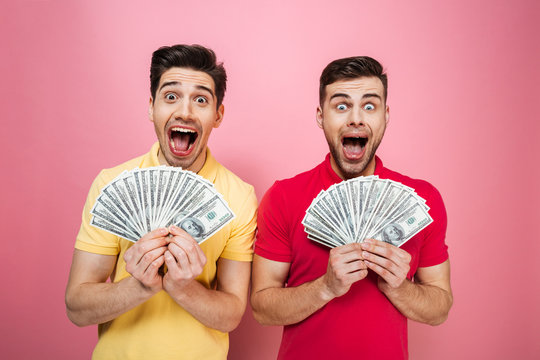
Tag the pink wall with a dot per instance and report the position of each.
(464, 100)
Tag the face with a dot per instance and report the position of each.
(353, 117)
(191, 228)
(392, 233)
(184, 114)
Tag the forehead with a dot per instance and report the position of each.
(356, 87)
(187, 77)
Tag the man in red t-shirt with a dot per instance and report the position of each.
(352, 301)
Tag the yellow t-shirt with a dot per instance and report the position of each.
(160, 328)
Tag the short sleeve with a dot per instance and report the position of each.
(90, 238)
(239, 246)
(434, 250)
(273, 241)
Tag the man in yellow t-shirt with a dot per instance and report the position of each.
(187, 312)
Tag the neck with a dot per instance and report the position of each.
(368, 170)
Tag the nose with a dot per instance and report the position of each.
(356, 118)
(183, 110)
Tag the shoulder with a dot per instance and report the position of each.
(239, 194)
(229, 182)
(422, 187)
(111, 173)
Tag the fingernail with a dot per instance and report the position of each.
(163, 231)
(365, 254)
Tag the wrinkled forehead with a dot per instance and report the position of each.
(186, 77)
(356, 86)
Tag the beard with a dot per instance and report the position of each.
(348, 169)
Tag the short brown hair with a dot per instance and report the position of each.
(194, 57)
(351, 68)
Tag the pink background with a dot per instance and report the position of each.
(464, 100)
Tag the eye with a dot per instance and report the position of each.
(341, 107)
(170, 96)
(201, 100)
(369, 107)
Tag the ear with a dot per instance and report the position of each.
(387, 114)
(151, 109)
(319, 117)
(219, 115)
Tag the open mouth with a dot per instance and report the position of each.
(181, 140)
(354, 146)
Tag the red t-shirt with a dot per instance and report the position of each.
(362, 323)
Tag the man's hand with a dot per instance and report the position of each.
(144, 259)
(345, 267)
(388, 261)
(184, 259)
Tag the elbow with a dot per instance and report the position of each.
(438, 320)
(443, 315)
(75, 319)
(73, 315)
(258, 312)
(230, 324)
(260, 318)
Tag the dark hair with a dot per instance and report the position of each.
(351, 68)
(194, 57)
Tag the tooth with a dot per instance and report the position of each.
(183, 130)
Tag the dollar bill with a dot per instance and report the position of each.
(365, 207)
(141, 200)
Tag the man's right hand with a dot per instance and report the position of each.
(144, 259)
(345, 267)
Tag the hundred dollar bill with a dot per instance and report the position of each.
(113, 229)
(207, 219)
(405, 226)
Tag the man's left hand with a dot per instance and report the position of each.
(184, 259)
(388, 261)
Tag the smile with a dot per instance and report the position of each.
(181, 140)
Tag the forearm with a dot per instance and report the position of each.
(424, 303)
(96, 303)
(289, 305)
(214, 308)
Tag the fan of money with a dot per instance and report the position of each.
(142, 200)
(366, 207)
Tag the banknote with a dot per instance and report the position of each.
(366, 207)
(141, 200)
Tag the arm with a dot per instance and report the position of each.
(427, 300)
(275, 304)
(92, 300)
(220, 309)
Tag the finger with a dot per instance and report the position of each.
(137, 269)
(385, 263)
(347, 257)
(150, 256)
(153, 269)
(192, 250)
(352, 267)
(175, 270)
(386, 250)
(141, 247)
(346, 248)
(388, 276)
(178, 231)
(157, 233)
(179, 255)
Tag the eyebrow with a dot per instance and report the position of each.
(175, 83)
(365, 96)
